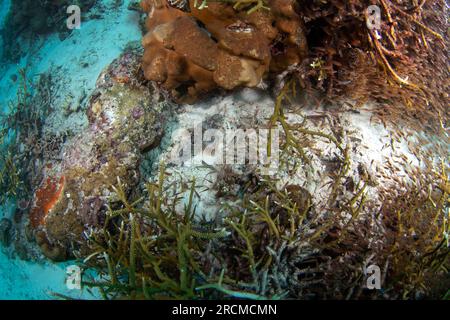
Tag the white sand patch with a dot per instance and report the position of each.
(24, 280)
(370, 146)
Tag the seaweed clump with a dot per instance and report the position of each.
(279, 242)
(22, 138)
(272, 244)
(401, 64)
(272, 241)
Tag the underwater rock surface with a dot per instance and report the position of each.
(125, 119)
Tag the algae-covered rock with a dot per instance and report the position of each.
(125, 120)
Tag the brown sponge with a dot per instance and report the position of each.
(192, 53)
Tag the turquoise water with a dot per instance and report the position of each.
(75, 61)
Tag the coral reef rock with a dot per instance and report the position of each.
(125, 120)
(192, 53)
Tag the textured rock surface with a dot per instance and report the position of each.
(191, 53)
(124, 120)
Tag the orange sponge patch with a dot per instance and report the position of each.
(45, 199)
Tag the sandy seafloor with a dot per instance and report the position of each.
(98, 42)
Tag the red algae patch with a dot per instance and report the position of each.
(45, 199)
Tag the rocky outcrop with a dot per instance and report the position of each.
(125, 120)
(192, 52)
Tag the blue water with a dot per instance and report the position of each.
(80, 58)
